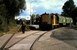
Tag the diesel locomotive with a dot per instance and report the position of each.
(51, 21)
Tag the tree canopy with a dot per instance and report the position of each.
(74, 15)
(14, 7)
(9, 9)
(68, 7)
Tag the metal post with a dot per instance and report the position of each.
(30, 11)
(30, 15)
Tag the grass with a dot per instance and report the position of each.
(13, 28)
(1, 34)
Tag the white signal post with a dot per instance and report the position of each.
(30, 10)
(30, 14)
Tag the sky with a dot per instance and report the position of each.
(42, 6)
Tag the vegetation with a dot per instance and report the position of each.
(35, 18)
(74, 15)
(70, 10)
(68, 7)
(8, 10)
(38, 19)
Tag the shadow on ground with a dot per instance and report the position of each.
(67, 35)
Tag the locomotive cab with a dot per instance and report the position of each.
(45, 23)
(54, 21)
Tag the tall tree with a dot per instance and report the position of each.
(13, 7)
(74, 15)
(38, 19)
(3, 25)
(10, 8)
(33, 18)
(68, 7)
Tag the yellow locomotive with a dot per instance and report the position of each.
(51, 21)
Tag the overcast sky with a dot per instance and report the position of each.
(42, 6)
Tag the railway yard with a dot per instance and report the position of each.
(38, 25)
(57, 39)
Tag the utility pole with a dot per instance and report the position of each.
(31, 11)
(30, 14)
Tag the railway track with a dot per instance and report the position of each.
(7, 42)
(2, 48)
(37, 39)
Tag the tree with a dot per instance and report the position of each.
(13, 7)
(68, 7)
(9, 9)
(38, 19)
(33, 18)
(37, 15)
(74, 15)
(3, 25)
